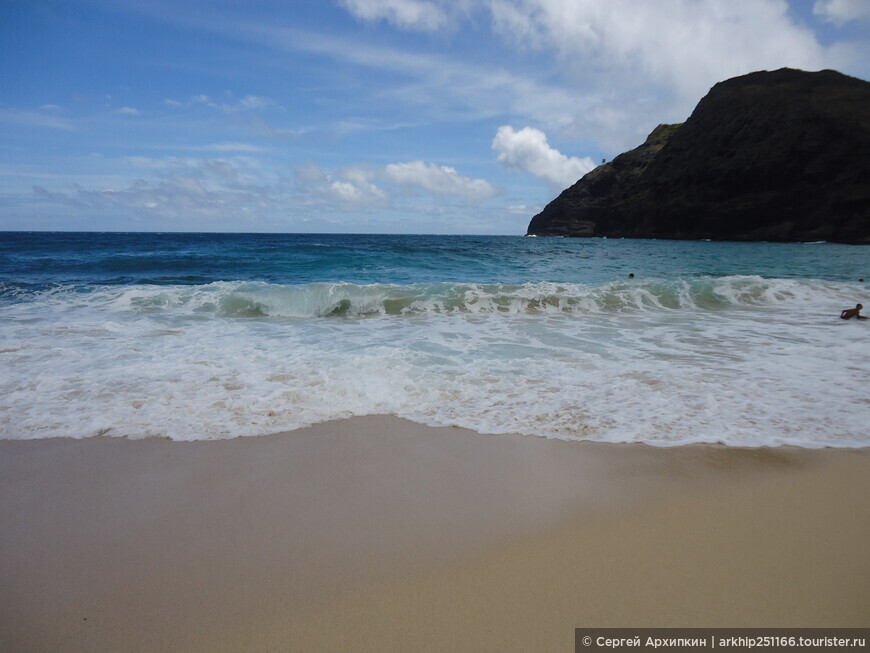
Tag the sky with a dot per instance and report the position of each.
(361, 116)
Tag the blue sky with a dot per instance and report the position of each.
(361, 116)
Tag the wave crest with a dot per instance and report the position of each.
(321, 300)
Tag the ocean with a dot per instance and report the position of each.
(212, 336)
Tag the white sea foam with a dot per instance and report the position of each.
(740, 360)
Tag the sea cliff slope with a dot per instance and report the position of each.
(777, 156)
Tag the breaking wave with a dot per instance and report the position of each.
(742, 360)
(238, 299)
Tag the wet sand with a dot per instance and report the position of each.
(380, 534)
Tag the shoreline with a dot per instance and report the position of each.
(376, 533)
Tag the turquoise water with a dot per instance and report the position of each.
(194, 336)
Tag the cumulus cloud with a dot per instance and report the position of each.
(439, 180)
(842, 11)
(360, 186)
(528, 150)
(349, 189)
(129, 111)
(419, 15)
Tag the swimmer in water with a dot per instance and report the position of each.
(849, 313)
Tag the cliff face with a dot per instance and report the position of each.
(779, 156)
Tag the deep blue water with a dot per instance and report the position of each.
(39, 258)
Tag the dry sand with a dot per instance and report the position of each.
(383, 535)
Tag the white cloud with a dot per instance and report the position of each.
(129, 111)
(407, 14)
(604, 73)
(356, 194)
(842, 11)
(684, 44)
(687, 46)
(363, 186)
(620, 67)
(528, 150)
(524, 210)
(439, 180)
(615, 69)
(637, 63)
(247, 103)
(253, 102)
(350, 189)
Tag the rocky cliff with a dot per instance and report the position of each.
(778, 156)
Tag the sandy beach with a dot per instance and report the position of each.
(378, 534)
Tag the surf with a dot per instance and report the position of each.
(244, 299)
